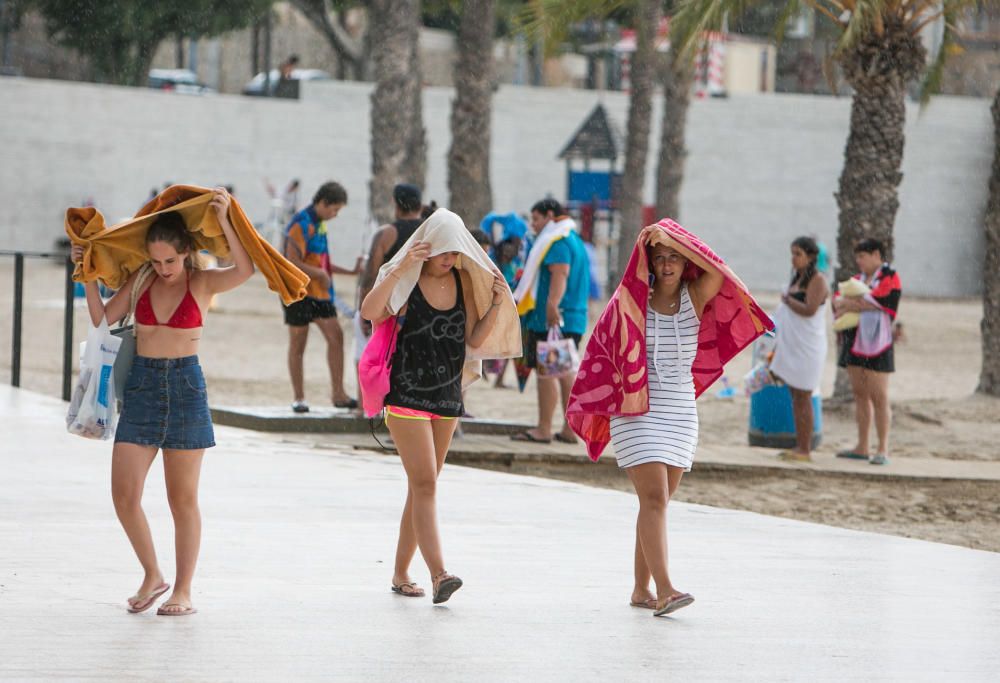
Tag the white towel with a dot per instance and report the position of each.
(445, 231)
(526, 294)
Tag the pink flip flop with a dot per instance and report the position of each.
(163, 612)
(143, 603)
(644, 604)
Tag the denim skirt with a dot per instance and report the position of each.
(166, 405)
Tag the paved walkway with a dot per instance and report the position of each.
(298, 544)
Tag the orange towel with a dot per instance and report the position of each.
(113, 253)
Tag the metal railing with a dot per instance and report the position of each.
(15, 360)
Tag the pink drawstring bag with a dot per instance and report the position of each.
(375, 366)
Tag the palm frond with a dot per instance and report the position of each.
(792, 8)
(693, 18)
(935, 74)
(549, 21)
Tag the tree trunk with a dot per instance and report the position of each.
(677, 79)
(878, 69)
(471, 196)
(637, 136)
(415, 162)
(989, 378)
(396, 129)
(351, 53)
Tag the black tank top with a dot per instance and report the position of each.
(430, 355)
(405, 227)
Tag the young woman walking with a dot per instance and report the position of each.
(165, 406)
(435, 325)
(676, 318)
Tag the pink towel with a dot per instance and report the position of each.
(612, 379)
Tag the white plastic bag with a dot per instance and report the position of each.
(557, 356)
(92, 409)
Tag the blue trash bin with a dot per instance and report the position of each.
(772, 424)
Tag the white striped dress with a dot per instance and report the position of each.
(668, 433)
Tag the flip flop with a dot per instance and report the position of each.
(349, 403)
(792, 456)
(564, 439)
(445, 588)
(674, 603)
(143, 603)
(851, 455)
(414, 591)
(163, 612)
(645, 604)
(526, 436)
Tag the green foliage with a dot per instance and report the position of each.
(119, 37)
(552, 21)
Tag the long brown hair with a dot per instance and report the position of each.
(170, 228)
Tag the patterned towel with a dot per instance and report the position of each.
(612, 379)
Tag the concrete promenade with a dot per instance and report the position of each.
(293, 582)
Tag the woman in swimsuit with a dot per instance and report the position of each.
(425, 393)
(165, 406)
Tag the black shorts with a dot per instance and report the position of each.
(884, 362)
(531, 339)
(303, 312)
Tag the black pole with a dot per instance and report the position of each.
(15, 361)
(68, 334)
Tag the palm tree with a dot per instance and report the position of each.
(550, 20)
(677, 77)
(989, 378)
(398, 138)
(880, 53)
(469, 155)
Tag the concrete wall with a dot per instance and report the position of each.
(761, 170)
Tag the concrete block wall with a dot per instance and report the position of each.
(761, 169)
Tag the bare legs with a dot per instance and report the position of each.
(871, 396)
(129, 466)
(182, 470)
(297, 337)
(550, 391)
(802, 410)
(334, 336)
(423, 447)
(655, 483)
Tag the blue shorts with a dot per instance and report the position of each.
(166, 405)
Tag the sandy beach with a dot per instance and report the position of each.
(935, 411)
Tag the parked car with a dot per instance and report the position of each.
(255, 88)
(182, 81)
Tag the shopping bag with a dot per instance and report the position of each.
(375, 366)
(91, 411)
(557, 356)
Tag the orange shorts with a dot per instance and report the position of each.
(411, 414)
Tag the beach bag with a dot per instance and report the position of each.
(126, 333)
(557, 356)
(376, 365)
(759, 377)
(91, 411)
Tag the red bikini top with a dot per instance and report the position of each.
(186, 316)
